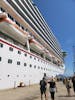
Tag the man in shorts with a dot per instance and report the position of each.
(43, 87)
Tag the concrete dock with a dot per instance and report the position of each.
(33, 93)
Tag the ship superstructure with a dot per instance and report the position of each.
(28, 48)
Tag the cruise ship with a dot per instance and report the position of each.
(28, 47)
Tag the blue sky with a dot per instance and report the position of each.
(60, 16)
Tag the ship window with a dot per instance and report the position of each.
(2, 10)
(30, 65)
(8, 75)
(38, 59)
(18, 62)
(38, 67)
(25, 54)
(19, 52)
(1, 45)
(34, 58)
(41, 68)
(34, 66)
(17, 23)
(30, 56)
(17, 75)
(0, 58)
(10, 17)
(26, 29)
(10, 48)
(25, 64)
(9, 61)
(22, 27)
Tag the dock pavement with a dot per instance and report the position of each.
(33, 93)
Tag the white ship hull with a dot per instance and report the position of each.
(12, 74)
(27, 52)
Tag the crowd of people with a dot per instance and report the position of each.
(68, 82)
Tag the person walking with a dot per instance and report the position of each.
(52, 87)
(73, 81)
(43, 87)
(68, 86)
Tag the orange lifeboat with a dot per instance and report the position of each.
(36, 46)
(10, 28)
(3, 15)
(47, 54)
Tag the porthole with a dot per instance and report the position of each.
(30, 65)
(10, 61)
(19, 52)
(25, 54)
(0, 58)
(30, 56)
(34, 58)
(18, 62)
(1, 45)
(25, 64)
(34, 66)
(10, 48)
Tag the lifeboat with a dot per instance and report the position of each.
(36, 46)
(3, 15)
(10, 28)
(47, 54)
(54, 60)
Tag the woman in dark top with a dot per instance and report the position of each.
(52, 88)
